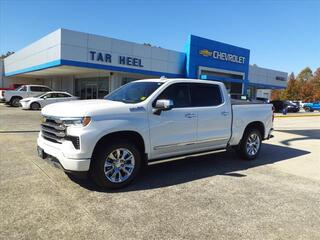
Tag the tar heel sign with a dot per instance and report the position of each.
(114, 59)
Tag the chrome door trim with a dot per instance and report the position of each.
(191, 155)
(188, 143)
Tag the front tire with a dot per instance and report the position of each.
(115, 165)
(250, 145)
(35, 106)
(14, 102)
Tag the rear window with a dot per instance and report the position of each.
(204, 95)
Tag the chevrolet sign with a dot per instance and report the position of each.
(222, 56)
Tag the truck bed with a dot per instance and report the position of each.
(244, 112)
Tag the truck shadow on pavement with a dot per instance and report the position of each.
(187, 170)
(308, 134)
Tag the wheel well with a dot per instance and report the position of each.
(15, 97)
(257, 125)
(130, 136)
(35, 103)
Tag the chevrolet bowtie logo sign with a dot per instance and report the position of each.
(222, 56)
(205, 52)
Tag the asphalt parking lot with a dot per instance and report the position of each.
(218, 196)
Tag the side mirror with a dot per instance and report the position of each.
(162, 105)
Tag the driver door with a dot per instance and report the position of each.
(48, 99)
(174, 131)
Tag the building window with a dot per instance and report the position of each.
(221, 74)
(92, 88)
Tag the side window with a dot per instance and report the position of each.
(35, 89)
(45, 89)
(179, 93)
(62, 95)
(203, 95)
(49, 95)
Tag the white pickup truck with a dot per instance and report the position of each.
(13, 97)
(146, 121)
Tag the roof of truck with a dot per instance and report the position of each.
(163, 80)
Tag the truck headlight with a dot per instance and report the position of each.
(78, 122)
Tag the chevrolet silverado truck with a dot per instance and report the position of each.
(12, 97)
(147, 121)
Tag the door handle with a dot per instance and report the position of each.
(224, 113)
(190, 115)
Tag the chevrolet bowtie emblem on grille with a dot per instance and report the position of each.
(205, 52)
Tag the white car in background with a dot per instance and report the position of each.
(42, 100)
(12, 97)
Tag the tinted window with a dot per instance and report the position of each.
(178, 93)
(133, 92)
(62, 95)
(39, 89)
(35, 89)
(49, 95)
(205, 95)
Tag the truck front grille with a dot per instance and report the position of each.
(54, 130)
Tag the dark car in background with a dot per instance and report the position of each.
(279, 106)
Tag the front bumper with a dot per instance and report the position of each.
(54, 153)
(270, 134)
(25, 105)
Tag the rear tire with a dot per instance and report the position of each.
(14, 102)
(250, 145)
(115, 165)
(307, 109)
(35, 106)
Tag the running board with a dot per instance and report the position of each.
(153, 162)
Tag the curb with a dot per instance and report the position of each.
(303, 115)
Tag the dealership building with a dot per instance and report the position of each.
(90, 66)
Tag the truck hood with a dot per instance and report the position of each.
(79, 108)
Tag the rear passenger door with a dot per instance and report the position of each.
(214, 116)
(34, 91)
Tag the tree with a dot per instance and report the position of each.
(316, 85)
(292, 90)
(276, 94)
(305, 87)
(305, 74)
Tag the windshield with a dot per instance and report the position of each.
(21, 88)
(133, 92)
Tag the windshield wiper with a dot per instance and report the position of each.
(128, 101)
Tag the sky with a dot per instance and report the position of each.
(282, 35)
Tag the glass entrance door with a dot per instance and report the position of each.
(92, 88)
(91, 91)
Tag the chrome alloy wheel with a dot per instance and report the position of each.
(253, 144)
(119, 165)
